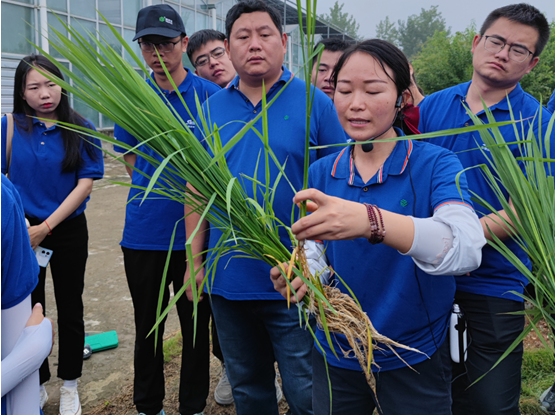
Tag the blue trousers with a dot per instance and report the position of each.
(253, 334)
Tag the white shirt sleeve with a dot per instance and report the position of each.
(449, 243)
(317, 261)
(27, 356)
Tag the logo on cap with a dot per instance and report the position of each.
(165, 19)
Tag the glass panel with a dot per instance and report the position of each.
(131, 10)
(226, 6)
(18, 24)
(295, 54)
(111, 10)
(188, 3)
(188, 17)
(202, 21)
(54, 22)
(80, 106)
(110, 38)
(220, 26)
(157, 1)
(61, 5)
(84, 28)
(83, 8)
(106, 122)
(128, 35)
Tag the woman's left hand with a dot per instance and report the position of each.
(281, 286)
(37, 234)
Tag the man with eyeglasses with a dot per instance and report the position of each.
(508, 47)
(150, 224)
(208, 55)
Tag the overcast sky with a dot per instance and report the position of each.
(458, 13)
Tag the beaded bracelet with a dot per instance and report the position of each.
(377, 234)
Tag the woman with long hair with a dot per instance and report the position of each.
(53, 170)
(395, 227)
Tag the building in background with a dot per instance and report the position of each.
(23, 20)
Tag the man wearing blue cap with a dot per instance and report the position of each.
(150, 224)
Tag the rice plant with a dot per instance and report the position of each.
(528, 182)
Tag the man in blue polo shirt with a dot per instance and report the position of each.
(550, 104)
(149, 226)
(254, 324)
(508, 47)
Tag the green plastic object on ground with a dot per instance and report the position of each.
(102, 341)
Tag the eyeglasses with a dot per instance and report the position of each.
(517, 53)
(216, 53)
(162, 47)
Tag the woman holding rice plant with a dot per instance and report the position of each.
(53, 170)
(402, 197)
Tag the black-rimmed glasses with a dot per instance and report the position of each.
(162, 47)
(216, 53)
(517, 53)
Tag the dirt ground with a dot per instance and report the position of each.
(106, 384)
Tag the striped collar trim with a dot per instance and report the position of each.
(395, 164)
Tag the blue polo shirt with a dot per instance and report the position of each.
(36, 167)
(416, 179)
(442, 110)
(550, 104)
(149, 225)
(20, 270)
(248, 279)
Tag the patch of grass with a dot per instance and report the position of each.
(537, 375)
(172, 347)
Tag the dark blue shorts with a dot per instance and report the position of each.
(422, 391)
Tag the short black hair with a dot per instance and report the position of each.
(332, 44)
(251, 6)
(199, 38)
(525, 14)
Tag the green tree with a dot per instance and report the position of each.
(445, 61)
(413, 33)
(345, 22)
(386, 30)
(540, 81)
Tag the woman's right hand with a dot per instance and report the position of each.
(199, 277)
(37, 234)
(280, 285)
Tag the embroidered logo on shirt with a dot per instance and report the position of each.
(403, 202)
(190, 124)
(286, 117)
(165, 19)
